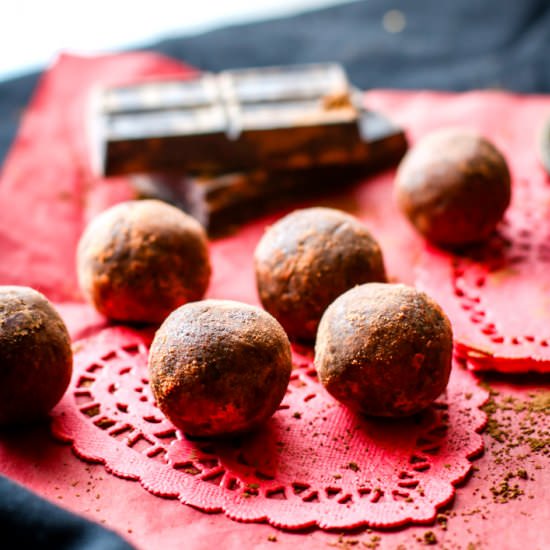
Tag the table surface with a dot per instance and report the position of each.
(500, 505)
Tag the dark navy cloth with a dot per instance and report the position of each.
(30, 522)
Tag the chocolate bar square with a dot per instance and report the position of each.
(223, 202)
(269, 118)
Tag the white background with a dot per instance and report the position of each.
(33, 32)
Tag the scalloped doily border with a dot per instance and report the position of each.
(69, 425)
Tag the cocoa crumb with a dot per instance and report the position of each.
(272, 538)
(251, 490)
(522, 474)
(442, 521)
(518, 424)
(429, 538)
(344, 544)
(504, 492)
(373, 544)
(353, 467)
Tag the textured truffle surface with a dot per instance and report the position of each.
(384, 350)
(140, 260)
(307, 259)
(35, 355)
(219, 367)
(454, 187)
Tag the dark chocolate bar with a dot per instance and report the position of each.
(274, 118)
(223, 202)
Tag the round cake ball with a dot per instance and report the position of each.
(36, 360)
(307, 259)
(454, 187)
(384, 350)
(140, 260)
(219, 367)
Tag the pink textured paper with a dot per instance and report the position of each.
(313, 463)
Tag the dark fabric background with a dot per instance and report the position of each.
(30, 522)
(447, 45)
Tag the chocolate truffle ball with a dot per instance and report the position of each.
(36, 360)
(140, 260)
(219, 367)
(384, 350)
(307, 259)
(454, 187)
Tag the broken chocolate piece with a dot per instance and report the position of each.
(225, 201)
(274, 118)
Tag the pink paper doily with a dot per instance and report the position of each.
(313, 463)
(497, 295)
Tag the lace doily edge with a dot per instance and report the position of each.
(192, 492)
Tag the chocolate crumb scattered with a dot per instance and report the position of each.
(504, 492)
(429, 538)
(373, 544)
(442, 521)
(272, 538)
(522, 474)
(344, 544)
(353, 467)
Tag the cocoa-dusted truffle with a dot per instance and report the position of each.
(140, 260)
(384, 349)
(219, 367)
(454, 187)
(307, 259)
(36, 360)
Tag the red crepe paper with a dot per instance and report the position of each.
(48, 193)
